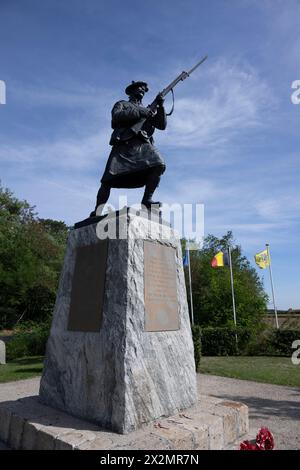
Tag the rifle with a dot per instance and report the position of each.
(153, 106)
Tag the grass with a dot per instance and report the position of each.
(19, 369)
(273, 370)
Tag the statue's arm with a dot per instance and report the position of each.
(160, 119)
(125, 115)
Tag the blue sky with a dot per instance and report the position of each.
(232, 142)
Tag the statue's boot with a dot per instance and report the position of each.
(152, 183)
(102, 198)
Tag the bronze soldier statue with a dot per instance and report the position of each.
(134, 161)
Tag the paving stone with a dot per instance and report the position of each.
(28, 424)
(243, 416)
(230, 420)
(3, 446)
(199, 433)
(16, 431)
(5, 417)
(178, 437)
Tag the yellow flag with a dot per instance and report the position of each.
(262, 259)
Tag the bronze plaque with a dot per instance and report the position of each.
(88, 288)
(161, 302)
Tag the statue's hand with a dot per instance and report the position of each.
(146, 112)
(160, 99)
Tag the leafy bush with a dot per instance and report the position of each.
(269, 342)
(273, 342)
(281, 341)
(260, 344)
(196, 332)
(31, 256)
(30, 340)
(221, 341)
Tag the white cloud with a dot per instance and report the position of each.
(72, 153)
(281, 208)
(236, 100)
(70, 95)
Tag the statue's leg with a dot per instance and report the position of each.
(152, 183)
(102, 197)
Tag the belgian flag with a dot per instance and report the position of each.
(220, 259)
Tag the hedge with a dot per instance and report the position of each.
(223, 341)
(281, 341)
(30, 340)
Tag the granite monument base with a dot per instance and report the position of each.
(120, 350)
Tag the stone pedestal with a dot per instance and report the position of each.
(120, 350)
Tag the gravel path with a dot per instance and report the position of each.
(274, 406)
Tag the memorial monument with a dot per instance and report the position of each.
(120, 351)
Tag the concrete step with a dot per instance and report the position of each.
(212, 423)
(3, 446)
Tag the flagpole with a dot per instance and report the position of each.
(191, 295)
(272, 286)
(232, 292)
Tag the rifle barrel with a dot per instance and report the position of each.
(181, 77)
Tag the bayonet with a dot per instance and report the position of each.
(180, 78)
(197, 65)
(153, 106)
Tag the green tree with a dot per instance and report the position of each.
(31, 255)
(212, 288)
